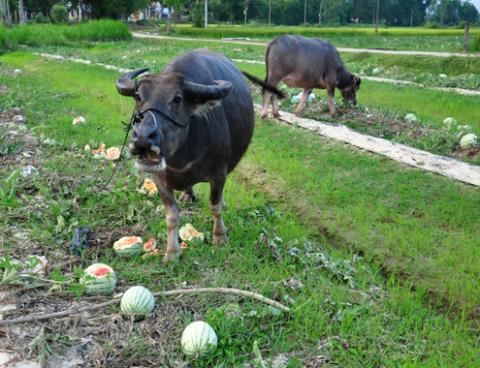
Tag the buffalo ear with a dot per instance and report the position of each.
(358, 81)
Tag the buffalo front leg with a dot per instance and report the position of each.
(216, 206)
(172, 218)
(303, 100)
(331, 100)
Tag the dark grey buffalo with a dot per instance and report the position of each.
(307, 63)
(194, 121)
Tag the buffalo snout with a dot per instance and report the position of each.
(146, 138)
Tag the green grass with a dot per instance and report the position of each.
(392, 101)
(460, 72)
(417, 232)
(55, 34)
(387, 38)
(263, 31)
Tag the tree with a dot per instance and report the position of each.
(115, 9)
(468, 12)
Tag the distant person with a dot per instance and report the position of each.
(158, 10)
(166, 12)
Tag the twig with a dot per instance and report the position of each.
(243, 293)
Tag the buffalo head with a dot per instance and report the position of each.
(349, 91)
(165, 105)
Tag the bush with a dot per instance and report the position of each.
(55, 34)
(59, 14)
(37, 35)
(98, 30)
(40, 18)
(5, 43)
(197, 15)
(476, 44)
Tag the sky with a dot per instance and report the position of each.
(477, 3)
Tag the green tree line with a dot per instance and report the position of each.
(287, 12)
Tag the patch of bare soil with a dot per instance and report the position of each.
(98, 338)
(371, 120)
(17, 144)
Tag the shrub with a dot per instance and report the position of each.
(59, 14)
(56, 34)
(197, 14)
(5, 43)
(37, 35)
(98, 30)
(40, 18)
(476, 44)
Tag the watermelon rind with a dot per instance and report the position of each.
(129, 246)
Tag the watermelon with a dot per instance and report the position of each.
(411, 118)
(129, 246)
(99, 279)
(137, 301)
(469, 141)
(198, 339)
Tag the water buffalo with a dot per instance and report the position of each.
(307, 63)
(194, 122)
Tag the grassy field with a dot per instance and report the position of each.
(383, 106)
(387, 255)
(432, 72)
(56, 34)
(388, 38)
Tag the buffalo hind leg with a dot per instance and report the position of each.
(303, 100)
(275, 112)
(216, 206)
(265, 100)
(269, 97)
(172, 218)
(188, 196)
(331, 100)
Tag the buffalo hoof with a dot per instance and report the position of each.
(298, 114)
(170, 257)
(264, 116)
(188, 197)
(276, 115)
(219, 240)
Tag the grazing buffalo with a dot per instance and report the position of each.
(193, 123)
(307, 63)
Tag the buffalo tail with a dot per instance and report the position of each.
(264, 85)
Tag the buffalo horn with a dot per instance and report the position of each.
(203, 92)
(126, 85)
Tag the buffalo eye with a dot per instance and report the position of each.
(177, 99)
(137, 97)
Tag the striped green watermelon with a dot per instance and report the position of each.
(99, 279)
(137, 301)
(129, 246)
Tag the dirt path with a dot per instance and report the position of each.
(423, 160)
(342, 49)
